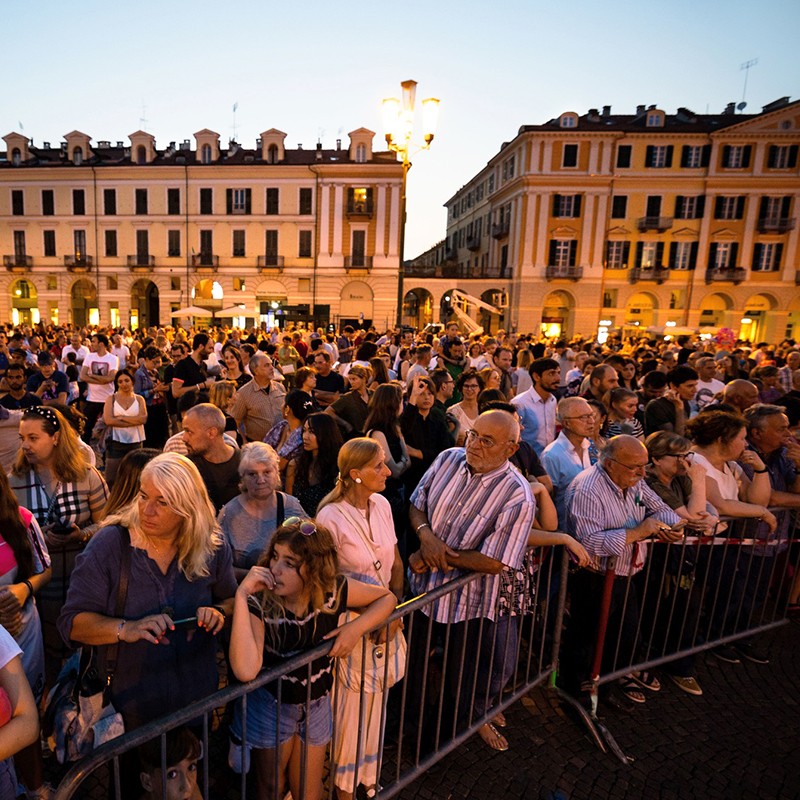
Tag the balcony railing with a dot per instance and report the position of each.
(775, 224)
(420, 271)
(564, 273)
(473, 242)
(17, 262)
(657, 274)
(207, 261)
(78, 263)
(500, 229)
(654, 223)
(270, 262)
(357, 262)
(451, 254)
(359, 208)
(141, 262)
(729, 274)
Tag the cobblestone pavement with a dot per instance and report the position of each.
(741, 739)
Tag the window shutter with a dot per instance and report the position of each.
(786, 206)
(792, 156)
(718, 200)
(772, 156)
(351, 197)
(778, 253)
(712, 255)
(734, 255)
(700, 207)
(229, 201)
(573, 252)
(726, 156)
(556, 205)
(705, 158)
(552, 259)
(670, 151)
(762, 207)
(626, 252)
(248, 201)
(695, 246)
(685, 156)
(660, 255)
(608, 253)
(576, 206)
(756, 256)
(673, 252)
(624, 156)
(740, 207)
(648, 157)
(679, 207)
(748, 149)
(639, 251)
(369, 196)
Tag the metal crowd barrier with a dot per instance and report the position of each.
(691, 596)
(448, 693)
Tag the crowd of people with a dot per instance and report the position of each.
(170, 495)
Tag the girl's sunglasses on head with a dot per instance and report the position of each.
(306, 526)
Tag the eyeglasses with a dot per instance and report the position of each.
(307, 527)
(582, 418)
(486, 442)
(634, 469)
(682, 456)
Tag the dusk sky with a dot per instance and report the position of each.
(319, 70)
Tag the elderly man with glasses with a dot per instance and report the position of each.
(610, 511)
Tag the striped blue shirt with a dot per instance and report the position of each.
(492, 513)
(599, 512)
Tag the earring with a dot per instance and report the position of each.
(358, 480)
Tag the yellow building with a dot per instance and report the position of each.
(648, 220)
(125, 234)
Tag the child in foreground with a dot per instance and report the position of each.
(183, 752)
(287, 604)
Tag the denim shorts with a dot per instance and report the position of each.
(262, 715)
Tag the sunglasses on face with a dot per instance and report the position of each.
(307, 527)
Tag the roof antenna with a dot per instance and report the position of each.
(235, 106)
(143, 119)
(746, 67)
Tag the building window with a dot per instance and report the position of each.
(358, 248)
(271, 246)
(464, 201)
(566, 205)
(206, 243)
(111, 244)
(238, 201)
(143, 247)
(654, 120)
(272, 154)
(649, 253)
(774, 208)
(619, 206)
(624, 156)
(681, 255)
(306, 201)
(78, 202)
(238, 244)
(568, 121)
(273, 198)
(49, 243)
(736, 156)
(361, 154)
(206, 154)
(359, 201)
(658, 156)
(16, 157)
(173, 244)
(570, 157)
(720, 255)
(175, 284)
(173, 201)
(48, 203)
(508, 171)
(141, 154)
(110, 202)
(77, 156)
(141, 202)
(692, 157)
(491, 183)
(79, 245)
(18, 203)
(562, 252)
(304, 249)
(784, 157)
(729, 207)
(206, 201)
(689, 207)
(610, 298)
(767, 257)
(479, 192)
(617, 255)
(19, 244)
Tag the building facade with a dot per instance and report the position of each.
(126, 234)
(624, 222)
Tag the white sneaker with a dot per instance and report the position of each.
(235, 757)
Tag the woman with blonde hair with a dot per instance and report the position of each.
(180, 588)
(222, 394)
(491, 377)
(360, 520)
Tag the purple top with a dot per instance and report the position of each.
(151, 680)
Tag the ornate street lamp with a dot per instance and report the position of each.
(398, 124)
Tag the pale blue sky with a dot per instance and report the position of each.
(320, 69)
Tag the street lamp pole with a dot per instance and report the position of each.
(398, 121)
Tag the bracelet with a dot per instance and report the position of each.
(760, 471)
(221, 611)
(119, 630)
(30, 587)
(420, 527)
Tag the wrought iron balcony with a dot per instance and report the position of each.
(654, 223)
(500, 229)
(553, 272)
(420, 271)
(205, 261)
(141, 262)
(359, 208)
(775, 224)
(729, 274)
(473, 242)
(657, 274)
(17, 262)
(78, 263)
(357, 262)
(451, 254)
(271, 263)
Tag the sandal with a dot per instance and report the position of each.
(493, 737)
(500, 720)
(630, 688)
(647, 680)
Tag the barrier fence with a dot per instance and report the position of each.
(456, 672)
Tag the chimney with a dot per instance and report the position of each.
(593, 115)
(319, 151)
(639, 111)
(651, 108)
(606, 111)
(46, 145)
(120, 144)
(338, 144)
(300, 146)
(730, 108)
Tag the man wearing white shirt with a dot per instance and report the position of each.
(120, 350)
(707, 384)
(75, 346)
(537, 406)
(98, 371)
(569, 454)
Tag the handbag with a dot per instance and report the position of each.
(376, 676)
(78, 713)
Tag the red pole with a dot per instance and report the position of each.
(602, 624)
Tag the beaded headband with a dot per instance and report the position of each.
(46, 413)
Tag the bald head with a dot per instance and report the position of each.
(620, 447)
(572, 407)
(740, 393)
(624, 458)
(492, 440)
(503, 425)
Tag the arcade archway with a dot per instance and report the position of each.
(83, 303)
(144, 304)
(417, 308)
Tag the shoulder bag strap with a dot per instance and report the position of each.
(281, 513)
(119, 608)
